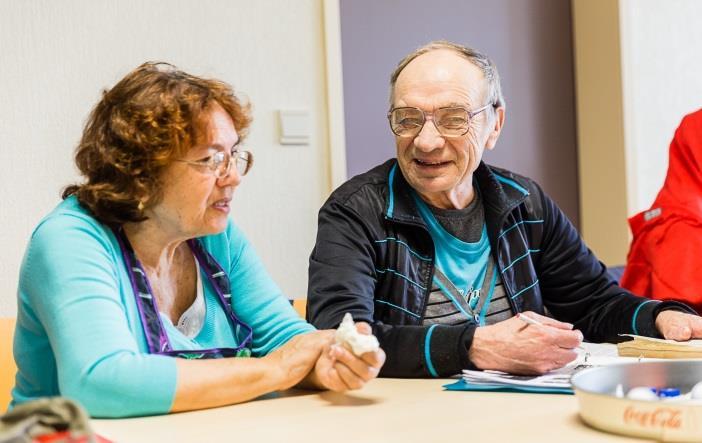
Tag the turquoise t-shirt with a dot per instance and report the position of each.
(78, 331)
(463, 264)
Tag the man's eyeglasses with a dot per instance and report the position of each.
(453, 121)
(220, 163)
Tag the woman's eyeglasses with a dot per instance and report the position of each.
(220, 163)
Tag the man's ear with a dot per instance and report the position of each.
(498, 122)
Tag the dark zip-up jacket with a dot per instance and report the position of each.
(374, 258)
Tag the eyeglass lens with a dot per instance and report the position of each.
(408, 122)
(241, 159)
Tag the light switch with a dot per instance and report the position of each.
(294, 127)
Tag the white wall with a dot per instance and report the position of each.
(56, 57)
(638, 72)
(662, 78)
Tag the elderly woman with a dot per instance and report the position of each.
(137, 294)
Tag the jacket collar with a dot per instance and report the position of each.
(500, 195)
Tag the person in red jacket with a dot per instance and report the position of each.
(665, 259)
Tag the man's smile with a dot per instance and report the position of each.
(430, 164)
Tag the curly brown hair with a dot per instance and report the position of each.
(140, 126)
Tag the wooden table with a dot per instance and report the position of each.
(386, 410)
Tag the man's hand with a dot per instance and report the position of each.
(680, 326)
(519, 348)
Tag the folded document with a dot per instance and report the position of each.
(658, 348)
(500, 381)
(554, 382)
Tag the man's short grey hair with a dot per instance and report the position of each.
(478, 59)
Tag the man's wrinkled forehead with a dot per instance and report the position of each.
(437, 72)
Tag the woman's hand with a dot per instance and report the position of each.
(314, 360)
(293, 361)
(305, 360)
(339, 369)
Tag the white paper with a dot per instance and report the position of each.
(598, 354)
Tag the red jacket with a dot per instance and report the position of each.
(665, 259)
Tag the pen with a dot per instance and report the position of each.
(529, 320)
(532, 321)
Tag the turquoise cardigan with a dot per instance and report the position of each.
(78, 330)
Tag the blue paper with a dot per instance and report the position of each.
(462, 385)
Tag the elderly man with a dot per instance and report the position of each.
(442, 253)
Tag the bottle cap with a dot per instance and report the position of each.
(668, 392)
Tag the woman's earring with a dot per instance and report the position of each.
(141, 206)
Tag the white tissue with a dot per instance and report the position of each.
(642, 393)
(359, 343)
(696, 393)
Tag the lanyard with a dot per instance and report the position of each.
(468, 303)
(156, 337)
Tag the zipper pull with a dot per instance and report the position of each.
(473, 299)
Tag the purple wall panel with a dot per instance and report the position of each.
(529, 40)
